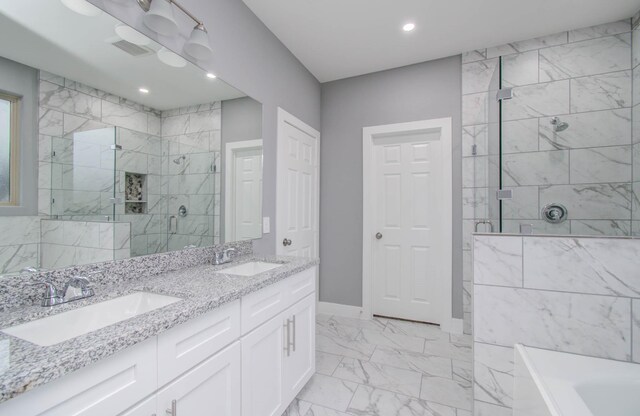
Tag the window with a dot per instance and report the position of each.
(8, 150)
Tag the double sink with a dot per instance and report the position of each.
(67, 325)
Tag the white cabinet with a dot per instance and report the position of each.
(299, 362)
(105, 388)
(147, 407)
(184, 346)
(249, 357)
(262, 368)
(278, 358)
(211, 388)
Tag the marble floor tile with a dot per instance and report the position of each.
(333, 329)
(462, 372)
(426, 364)
(415, 329)
(323, 317)
(328, 391)
(394, 379)
(348, 348)
(386, 339)
(382, 371)
(316, 410)
(376, 323)
(297, 408)
(446, 391)
(454, 351)
(370, 401)
(327, 363)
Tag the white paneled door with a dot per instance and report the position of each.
(297, 187)
(243, 186)
(408, 232)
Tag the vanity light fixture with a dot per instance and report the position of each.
(144, 90)
(131, 35)
(408, 27)
(211, 76)
(161, 20)
(82, 7)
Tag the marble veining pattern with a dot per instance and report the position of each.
(387, 381)
(199, 288)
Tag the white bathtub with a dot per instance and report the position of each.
(549, 383)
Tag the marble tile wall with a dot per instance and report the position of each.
(192, 132)
(70, 243)
(572, 294)
(585, 77)
(19, 246)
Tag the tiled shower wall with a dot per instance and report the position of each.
(68, 243)
(584, 77)
(579, 295)
(193, 132)
(80, 175)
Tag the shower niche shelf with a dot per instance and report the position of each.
(135, 193)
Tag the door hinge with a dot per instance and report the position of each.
(502, 194)
(504, 94)
(116, 147)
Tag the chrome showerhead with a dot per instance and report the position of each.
(558, 125)
(178, 160)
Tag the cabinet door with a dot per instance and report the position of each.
(144, 408)
(105, 388)
(300, 363)
(262, 355)
(211, 388)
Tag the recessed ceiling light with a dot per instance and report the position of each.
(129, 34)
(82, 7)
(211, 76)
(171, 59)
(144, 90)
(408, 27)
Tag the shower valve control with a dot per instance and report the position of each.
(554, 213)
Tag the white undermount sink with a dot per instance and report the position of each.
(67, 325)
(250, 269)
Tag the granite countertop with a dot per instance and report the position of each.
(24, 365)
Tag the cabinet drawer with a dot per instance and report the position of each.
(300, 285)
(186, 345)
(260, 306)
(105, 388)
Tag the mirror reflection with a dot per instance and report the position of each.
(139, 151)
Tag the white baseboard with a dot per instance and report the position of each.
(348, 311)
(453, 326)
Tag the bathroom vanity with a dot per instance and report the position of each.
(233, 344)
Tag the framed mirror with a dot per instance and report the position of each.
(114, 146)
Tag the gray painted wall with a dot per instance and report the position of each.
(417, 92)
(20, 80)
(249, 57)
(241, 120)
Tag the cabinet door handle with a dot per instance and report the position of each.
(174, 408)
(294, 333)
(287, 341)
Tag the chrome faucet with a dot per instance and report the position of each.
(52, 296)
(223, 256)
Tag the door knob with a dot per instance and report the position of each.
(378, 236)
(286, 242)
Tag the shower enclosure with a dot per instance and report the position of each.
(153, 193)
(555, 153)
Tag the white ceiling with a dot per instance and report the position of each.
(336, 39)
(45, 34)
